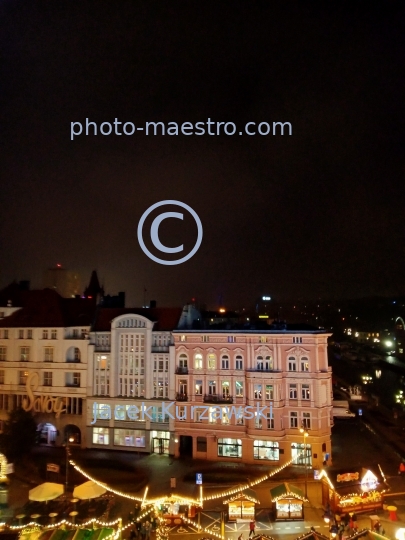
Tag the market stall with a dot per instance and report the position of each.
(353, 491)
(288, 502)
(242, 506)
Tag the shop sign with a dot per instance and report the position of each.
(198, 478)
(347, 477)
(52, 467)
(41, 403)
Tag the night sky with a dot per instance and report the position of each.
(316, 214)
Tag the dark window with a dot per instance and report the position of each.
(201, 444)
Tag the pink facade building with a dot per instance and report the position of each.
(253, 396)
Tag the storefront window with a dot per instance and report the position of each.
(100, 435)
(129, 437)
(298, 453)
(230, 448)
(266, 450)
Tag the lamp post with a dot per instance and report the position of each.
(69, 440)
(305, 434)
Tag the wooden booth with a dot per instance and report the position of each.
(356, 491)
(242, 506)
(288, 502)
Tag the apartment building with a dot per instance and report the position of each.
(43, 363)
(253, 396)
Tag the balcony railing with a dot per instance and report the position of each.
(181, 397)
(180, 370)
(261, 370)
(217, 398)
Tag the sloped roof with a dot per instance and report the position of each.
(248, 494)
(47, 309)
(286, 490)
(165, 318)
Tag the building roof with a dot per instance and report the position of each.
(246, 494)
(286, 490)
(166, 319)
(47, 309)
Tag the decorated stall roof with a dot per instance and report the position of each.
(286, 491)
(247, 494)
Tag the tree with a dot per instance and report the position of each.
(19, 434)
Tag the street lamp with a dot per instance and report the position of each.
(305, 434)
(69, 440)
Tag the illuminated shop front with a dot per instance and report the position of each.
(230, 448)
(160, 441)
(353, 491)
(288, 502)
(242, 506)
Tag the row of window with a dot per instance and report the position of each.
(71, 378)
(232, 339)
(46, 334)
(260, 391)
(72, 355)
(212, 415)
(262, 363)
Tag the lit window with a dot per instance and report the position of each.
(230, 448)
(239, 388)
(267, 450)
(100, 435)
(304, 364)
(258, 391)
(305, 391)
(198, 361)
(198, 387)
(269, 391)
(212, 360)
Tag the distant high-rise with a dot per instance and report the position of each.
(65, 282)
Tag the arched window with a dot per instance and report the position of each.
(77, 354)
(292, 363)
(224, 361)
(183, 361)
(238, 362)
(198, 361)
(304, 363)
(212, 361)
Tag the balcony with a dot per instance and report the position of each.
(180, 370)
(181, 397)
(160, 348)
(217, 398)
(261, 370)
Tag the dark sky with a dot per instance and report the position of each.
(316, 214)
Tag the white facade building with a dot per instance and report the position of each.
(131, 377)
(43, 364)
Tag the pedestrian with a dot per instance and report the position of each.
(132, 535)
(240, 537)
(401, 470)
(147, 530)
(252, 526)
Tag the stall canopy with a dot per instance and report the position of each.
(286, 491)
(88, 490)
(46, 492)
